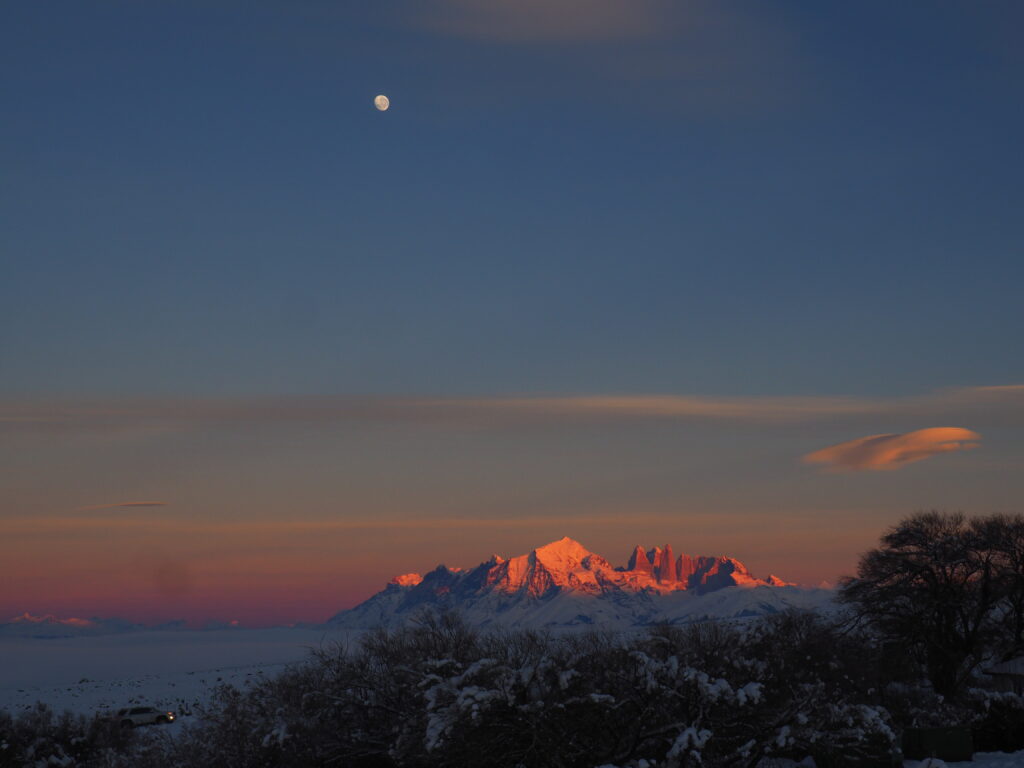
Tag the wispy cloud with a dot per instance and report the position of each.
(696, 55)
(888, 452)
(979, 406)
(551, 20)
(193, 527)
(118, 505)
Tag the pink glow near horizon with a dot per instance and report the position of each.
(301, 582)
(291, 509)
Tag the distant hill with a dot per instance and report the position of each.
(51, 627)
(562, 584)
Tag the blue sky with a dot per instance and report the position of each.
(201, 199)
(206, 220)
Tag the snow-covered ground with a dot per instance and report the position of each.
(173, 670)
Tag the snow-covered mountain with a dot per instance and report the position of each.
(562, 584)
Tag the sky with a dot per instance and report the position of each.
(740, 277)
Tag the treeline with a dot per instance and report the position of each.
(839, 688)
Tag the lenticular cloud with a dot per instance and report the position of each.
(888, 452)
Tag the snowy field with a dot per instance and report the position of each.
(172, 670)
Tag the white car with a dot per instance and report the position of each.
(129, 717)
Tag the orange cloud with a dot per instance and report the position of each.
(892, 451)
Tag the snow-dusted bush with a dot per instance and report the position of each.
(441, 694)
(998, 724)
(817, 690)
(40, 737)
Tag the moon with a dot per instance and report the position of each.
(381, 102)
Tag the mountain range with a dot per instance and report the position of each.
(50, 627)
(562, 584)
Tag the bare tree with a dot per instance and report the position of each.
(1003, 537)
(934, 588)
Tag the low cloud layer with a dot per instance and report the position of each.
(118, 505)
(888, 452)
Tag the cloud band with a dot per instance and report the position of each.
(123, 504)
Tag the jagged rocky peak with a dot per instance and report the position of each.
(667, 566)
(638, 561)
(685, 568)
(563, 581)
(566, 565)
(664, 571)
(560, 554)
(654, 556)
(407, 580)
(561, 564)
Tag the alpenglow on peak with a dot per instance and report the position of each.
(564, 582)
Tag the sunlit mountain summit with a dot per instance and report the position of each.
(563, 584)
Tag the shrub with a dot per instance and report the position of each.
(1000, 727)
(441, 694)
